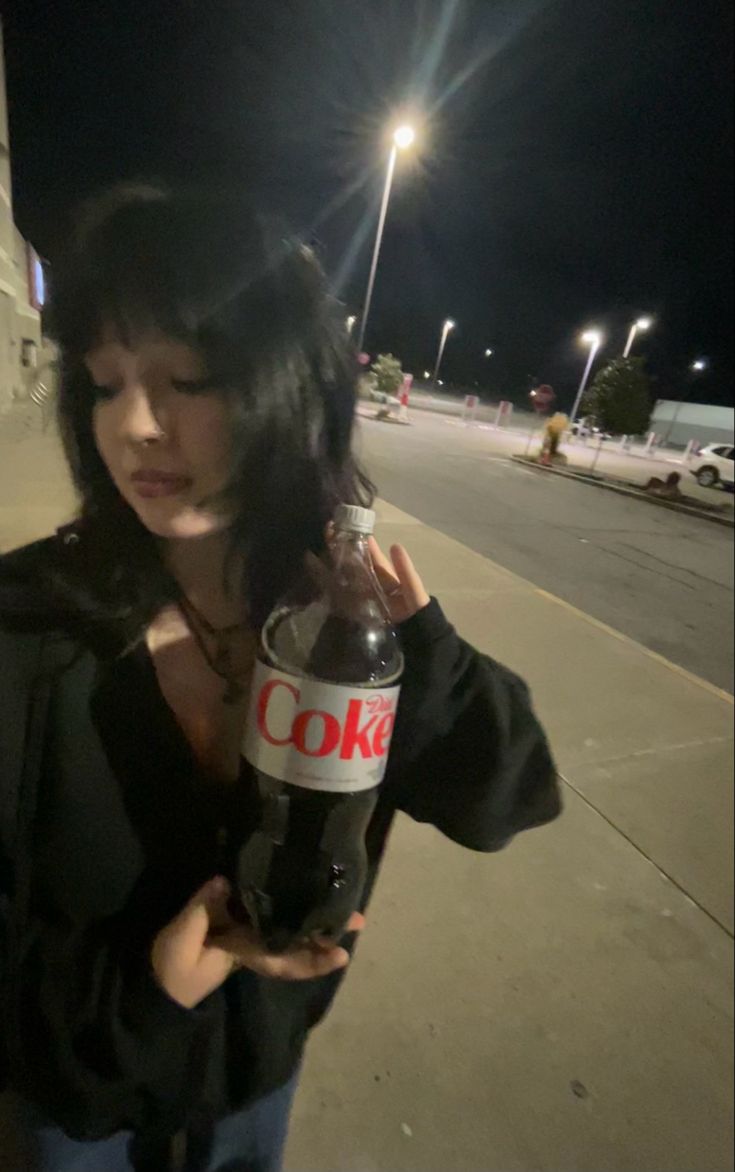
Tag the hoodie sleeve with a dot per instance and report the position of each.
(469, 755)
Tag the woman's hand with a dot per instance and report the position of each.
(402, 586)
(196, 953)
(404, 590)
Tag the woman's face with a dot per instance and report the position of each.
(164, 436)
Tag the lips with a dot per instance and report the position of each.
(155, 483)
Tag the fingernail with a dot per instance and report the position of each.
(218, 885)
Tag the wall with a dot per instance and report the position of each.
(19, 320)
(680, 422)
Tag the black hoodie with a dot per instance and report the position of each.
(107, 828)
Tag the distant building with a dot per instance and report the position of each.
(677, 423)
(21, 284)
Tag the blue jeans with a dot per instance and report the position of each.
(250, 1141)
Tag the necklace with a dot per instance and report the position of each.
(221, 661)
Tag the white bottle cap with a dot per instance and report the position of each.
(355, 519)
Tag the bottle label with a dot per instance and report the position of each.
(316, 735)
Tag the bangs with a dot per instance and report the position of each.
(117, 304)
(153, 268)
(123, 280)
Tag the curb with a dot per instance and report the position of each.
(635, 493)
(384, 419)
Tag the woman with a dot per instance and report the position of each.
(206, 408)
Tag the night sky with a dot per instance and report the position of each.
(575, 164)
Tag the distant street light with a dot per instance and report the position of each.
(350, 323)
(403, 138)
(643, 323)
(489, 353)
(427, 374)
(697, 367)
(446, 330)
(593, 339)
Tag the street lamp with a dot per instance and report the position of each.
(697, 367)
(446, 330)
(403, 138)
(350, 323)
(643, 323)
(593, 339)
(489, 353)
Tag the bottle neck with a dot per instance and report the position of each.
(352, 567)
(357, 542)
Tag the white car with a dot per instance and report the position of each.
(584, 428)
(714, 465)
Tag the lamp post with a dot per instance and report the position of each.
(697, 367)
(446, 330)
(643, 323)
(403, 137)
(593, 339)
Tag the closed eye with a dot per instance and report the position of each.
(184, 386)
(192, 386)
(104, 393)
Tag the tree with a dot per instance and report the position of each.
(621, 397)
(387, 373)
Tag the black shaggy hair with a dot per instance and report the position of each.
(253, 302)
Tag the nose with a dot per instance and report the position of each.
(142, 416)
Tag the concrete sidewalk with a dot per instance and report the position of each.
(566, 1005)
(35, 492)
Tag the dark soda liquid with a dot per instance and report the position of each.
(303, 871)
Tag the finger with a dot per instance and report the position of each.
(239, 942)
(245, 943)
(356, 923)
(301, 964)
(414, 591)
(188, 931)
(305, 964)
(383, 568)
(214, 897)
(379, 558)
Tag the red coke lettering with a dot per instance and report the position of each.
(330, 734)
(364, 733)
(263, 702)
(383, 733)
(354, 736)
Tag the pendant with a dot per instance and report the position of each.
(233, 693)
(223, 661)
